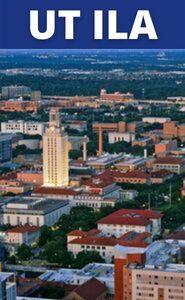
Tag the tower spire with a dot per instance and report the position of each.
(54, 118)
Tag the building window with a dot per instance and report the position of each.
(18, 220)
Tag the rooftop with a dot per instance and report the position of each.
(161, 173)
(132, 174)
(5, 276)
(100, 241)
(97, 270)
(135, 239)
(96, 237)
(33, 205)
(105, 159)
(179, 235)
(54, 191)
(69, 275)
(131, 217)
(169, 160)
(22, 229)
(161, 252)
(131, 161)
(91, 289)
(98, 182)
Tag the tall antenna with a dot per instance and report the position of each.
(143, 93)
(149, 201)
(170, 195)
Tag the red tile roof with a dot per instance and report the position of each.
(129, 174)
(179, 235)
(169, 160)
(91, 289)
(135, 239)
(8, 176)
(76, 233)
(130, 217)
(132, 174)
(23, 229)
(93, 232)
(161, 174)
(96, 241)
(98, 182)
(54, 191)
(93, 238)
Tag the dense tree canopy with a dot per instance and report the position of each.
(24, 252)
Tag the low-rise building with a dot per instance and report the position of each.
(142, 142)
(94, 201)
(102, 272)
(20, 235)
(133, 177)
(103, 186)
(95, 240)
(153, 120)
(30, 128)
(19, 105)
(55, 193)
(158, 177)
(125, 220)
(117, 96)
(34, 211)
(105, 161)
(30, 177)
(115, 137)
(13, 186)
(130, 163)
(165, 146)
(170, 163)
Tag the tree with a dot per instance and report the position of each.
(80, 217)
(75, 154)
(53, 292)
(45, 235)
(12, 260)
(174, 216)
(56, 252)
(84, 258)
(24, 252)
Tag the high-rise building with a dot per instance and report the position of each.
(8, 289)
(55, 153)
(154, 273)
(15, 91)
(5, 148)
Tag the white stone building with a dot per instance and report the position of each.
(55, 153)
(115, 137)
(8, 289)
(125, 220)
(34, 211)
(20, 126)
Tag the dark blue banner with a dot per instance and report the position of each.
(90, 24)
